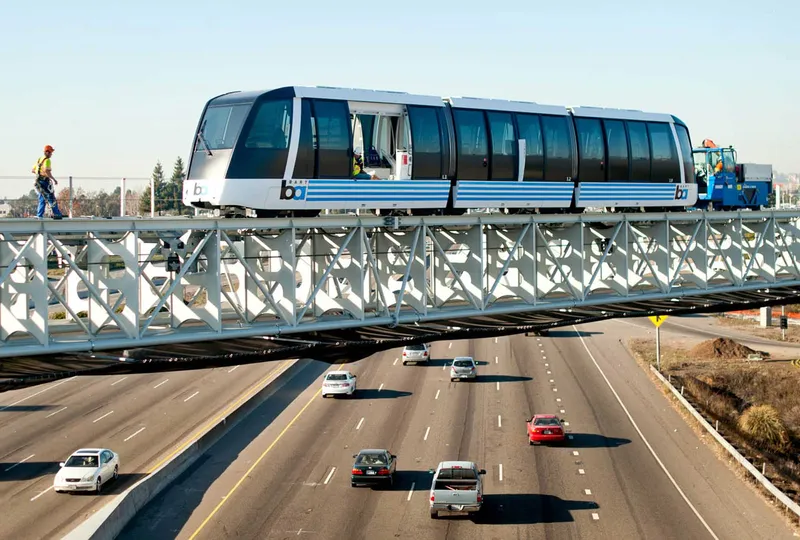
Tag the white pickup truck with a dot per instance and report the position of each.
(457, 487)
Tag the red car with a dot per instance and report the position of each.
(545, 428)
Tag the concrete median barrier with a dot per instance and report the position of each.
(112, 518)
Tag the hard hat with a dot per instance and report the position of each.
(357, 151)
(49, 148)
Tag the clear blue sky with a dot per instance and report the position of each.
(116, 86)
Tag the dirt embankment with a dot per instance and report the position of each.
(757, 403)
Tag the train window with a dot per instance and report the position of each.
(305, 161)
(640, 152)
(591, 150)
(332, 129)
(531, 131)
(472, 145)
(264, 149)
(426, 143)
(504, 146)
(617, 142)
(665, 164)
(558, 148)
(221, 126)
(686, 152)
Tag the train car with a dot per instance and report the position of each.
(292, 151)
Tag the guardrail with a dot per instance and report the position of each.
(108, 522)
(763, 480)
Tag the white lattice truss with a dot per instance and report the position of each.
(242, 278)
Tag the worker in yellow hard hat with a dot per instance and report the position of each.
(44, 184)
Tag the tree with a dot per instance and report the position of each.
(176, 186)
(158, 188)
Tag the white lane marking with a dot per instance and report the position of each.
(499, 421)
(549, 372)
(495, 359)
(495, 340)
(581, 471)
(134, 435)
(444, 367)
(426, 433)
(119, 381)
(587, 491)
(540, 345)
(595, 516)
(411, 491)
(159, 384)
(544, 357)
(20, 462)
(328, 478)
(501, 472)
(552, 380)
(498, 385)
(380, 387)
(437, 394)
(360, 422)
(108, 413)
(538, 339)
(395, 361)
(55, 413)
(558, 399)
(547, 365)
(190, 397)
(555, 389)
(563, 411)
(566, 423)
(34, 395)
(234, 368)
(574, 452)
(641, 435)
(40, 494)
(451, 345)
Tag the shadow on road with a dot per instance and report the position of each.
(30, 470)
(186, 493)
(26, 408)
(499, 379)
(571, 333)
(439, 362)
(421, 480)
(374, 393)
(592, 440)
(528, 508)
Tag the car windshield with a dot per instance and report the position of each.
(371, 459)
(415, 348)
(462, 363)
(457, 474)
(337, 377)
(546, 422)
(81, 461)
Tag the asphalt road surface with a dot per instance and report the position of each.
(632, 468)
(143, 418)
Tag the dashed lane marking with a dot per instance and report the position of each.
(20, 462)
(501, 472)
(134, 435)
(234, 368)
(581, 471)
(159, 384)
(411, 491)
(330, 474)
(34, 394)
(427, 431)
(380, 387)
(119, 381)
(437, 394)
(360, 422)
(55, 413)
(587, 491)
(641, 435)
(97, 420)
(190, 397)
(595, 516)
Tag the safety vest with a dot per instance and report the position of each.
(42, 163)
(357, 166)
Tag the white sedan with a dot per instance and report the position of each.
(87, 469)
(338, 382)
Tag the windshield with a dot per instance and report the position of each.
(221, 126)
(81, 461)
(337, 377)
(457, 474)
(545, 422)
(371, 459)
(415, 348)
(463, 363)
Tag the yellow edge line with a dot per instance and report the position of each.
(250, 470)
(217, 418)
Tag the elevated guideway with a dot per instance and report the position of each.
(190, 292)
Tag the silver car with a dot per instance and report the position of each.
(416, 353)
(463, 367)
(338, 383)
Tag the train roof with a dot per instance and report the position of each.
(404, 98)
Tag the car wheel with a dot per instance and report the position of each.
(530, 442)
(434, 514)
(352, 484)
(99, 487)
(116, 472)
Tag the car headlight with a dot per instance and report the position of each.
(88, 476)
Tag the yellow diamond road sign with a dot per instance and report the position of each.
(658, 320)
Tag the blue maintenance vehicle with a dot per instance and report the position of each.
(724, 184)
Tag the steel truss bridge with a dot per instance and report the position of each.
(133, 294)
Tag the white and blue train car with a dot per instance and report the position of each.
(290, 151)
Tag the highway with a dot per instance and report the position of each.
(632, 469)
(144, 418)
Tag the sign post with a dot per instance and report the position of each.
(657, 321)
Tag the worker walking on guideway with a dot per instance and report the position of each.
(45, 184)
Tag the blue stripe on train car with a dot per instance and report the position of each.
(378, 190)
(530, 191)
(594, 192)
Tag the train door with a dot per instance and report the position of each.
(472, 145)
